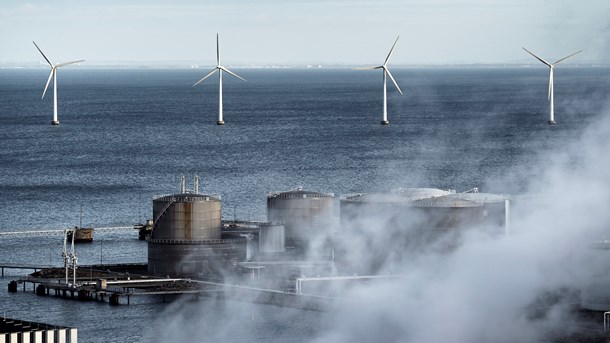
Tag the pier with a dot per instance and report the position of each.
(54, 232)
(115, 282)
(35, 268)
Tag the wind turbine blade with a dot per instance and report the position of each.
(68, 63)
(539, 59)
(232, 73)
(42, 53)
(368, 68)
(205, 77)
(391, 50)
(550, 83)
(392, 78)
(48, 82)
(565, 58)
(217, 51)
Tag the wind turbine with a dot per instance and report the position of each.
(220, 69)
(551, 89)
(53, 75)
(386, 71)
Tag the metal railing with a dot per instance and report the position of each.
(47, 233)
(200, 241)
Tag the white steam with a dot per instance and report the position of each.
(515, 288)
(468, 287)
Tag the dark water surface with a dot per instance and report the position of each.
(127, 135)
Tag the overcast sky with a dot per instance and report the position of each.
(349, 32)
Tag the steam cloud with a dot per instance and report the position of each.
(519, 287)
(515, 288)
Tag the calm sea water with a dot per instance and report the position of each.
(127, 135)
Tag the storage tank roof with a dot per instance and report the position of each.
(445, 201)
(399, 195)
(483, 198)
(377, 198)
(299, 193)
(185, 197)
(422, 193)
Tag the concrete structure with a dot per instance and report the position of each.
(186, 238)
(306, 215)
(13, 331)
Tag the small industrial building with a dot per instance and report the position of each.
(18, 331)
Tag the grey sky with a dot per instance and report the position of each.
(304, 32)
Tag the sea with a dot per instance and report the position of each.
(128, 135)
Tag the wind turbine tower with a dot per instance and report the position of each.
(386, 73)
(220, 69)
(53, 75)
(551, 89)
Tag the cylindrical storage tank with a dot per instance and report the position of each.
(187, 216)
(271, 238)
(305, 214)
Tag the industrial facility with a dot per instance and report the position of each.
(190, 239)
(192, 249)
